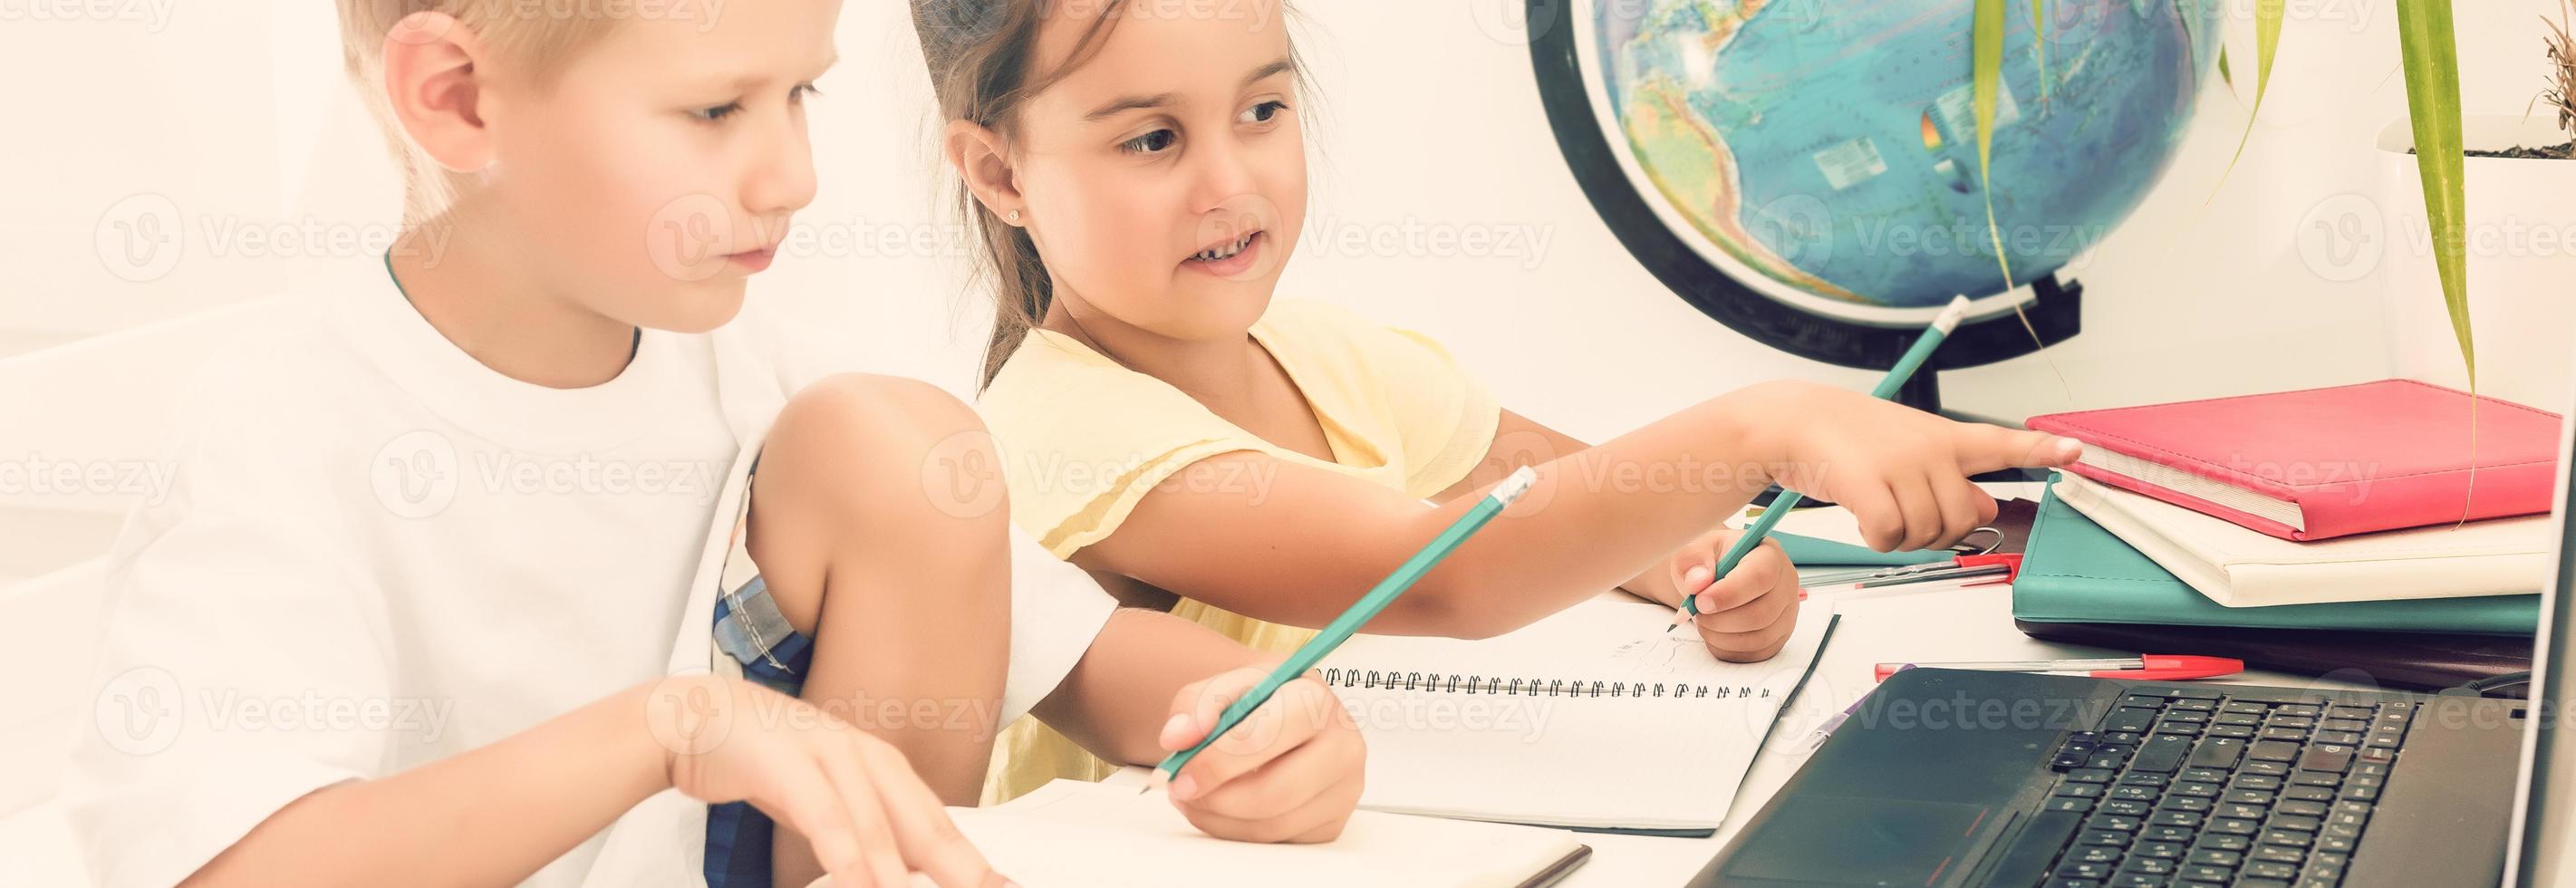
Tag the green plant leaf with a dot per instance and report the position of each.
(1986, 66)
(2430, 55)
(2223, 76)
(2267, 41)
(2431, 59)
(2039, 42)
(1986, 44)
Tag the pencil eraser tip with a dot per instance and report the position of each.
(1951, 315)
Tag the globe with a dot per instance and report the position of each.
(1824, 153)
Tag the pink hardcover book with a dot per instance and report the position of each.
(2328, 462)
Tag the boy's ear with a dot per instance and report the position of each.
(434, 92)
(982, 157)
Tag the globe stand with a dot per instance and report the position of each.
(1923, 390)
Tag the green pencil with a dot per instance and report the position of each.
(1360, 612)
(1780, 505)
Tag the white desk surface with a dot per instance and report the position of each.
(1928, 624)
(1942, 623)
(1877, 626)
(1950, 624)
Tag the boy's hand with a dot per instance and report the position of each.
(871, 819)
(1290, 772)
(1747, 615)
(1902, 472)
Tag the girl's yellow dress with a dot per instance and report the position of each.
(1083, 439)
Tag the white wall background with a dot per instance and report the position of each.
(234, 120)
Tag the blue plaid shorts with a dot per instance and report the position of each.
(750, 628)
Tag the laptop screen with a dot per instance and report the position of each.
(2547, 819)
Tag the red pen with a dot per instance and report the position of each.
(2155, 667)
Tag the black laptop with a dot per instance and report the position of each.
(1963, 778)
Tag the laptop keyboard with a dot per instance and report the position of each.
(2193, 787)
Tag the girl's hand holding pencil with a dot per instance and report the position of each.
(1745, 616)
(1902, 472)
(1289, 772)
(1256, 720)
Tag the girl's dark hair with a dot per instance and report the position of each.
(979, 52)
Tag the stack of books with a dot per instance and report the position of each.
(2323, 530)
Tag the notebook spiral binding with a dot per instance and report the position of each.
(1503, 686)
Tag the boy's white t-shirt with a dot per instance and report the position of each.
(378, 552)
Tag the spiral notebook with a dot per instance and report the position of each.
(1072, 834)
(1580, 720)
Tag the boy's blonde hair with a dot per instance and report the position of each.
(535, 36)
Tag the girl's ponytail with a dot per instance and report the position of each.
(1022, 289)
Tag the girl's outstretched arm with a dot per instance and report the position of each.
(1745, 616)
(1521, 442)
(1301, 544)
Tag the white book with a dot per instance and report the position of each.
(1593, 718)
(2239, 567)
(1072, 834)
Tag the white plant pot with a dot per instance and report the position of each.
(2521, 250)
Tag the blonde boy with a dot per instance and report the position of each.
(524, 482)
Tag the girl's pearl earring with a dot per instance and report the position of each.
(1015, 217)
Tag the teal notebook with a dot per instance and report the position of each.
(2075, 572)
(1807, 551)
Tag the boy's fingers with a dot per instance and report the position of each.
(931, 841)
(1985, 448)
(815, 812)
(884, 863)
